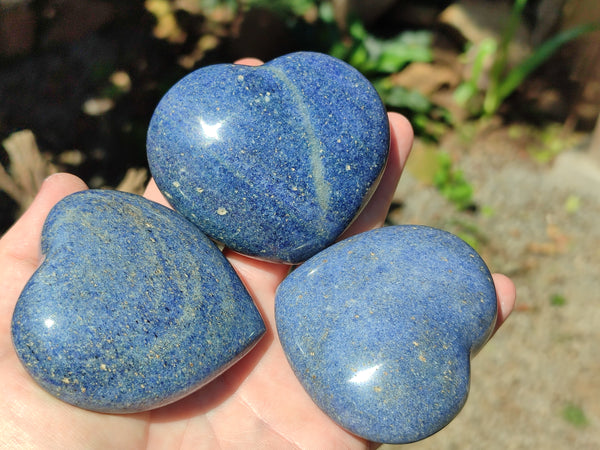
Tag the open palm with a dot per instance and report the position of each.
(258, 403)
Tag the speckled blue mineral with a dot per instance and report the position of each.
(273, 161)
(380, 329)
(132, 307)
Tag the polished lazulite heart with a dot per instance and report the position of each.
(380, 329)
(273, 161)
(132, 307)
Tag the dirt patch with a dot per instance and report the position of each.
(535, 385)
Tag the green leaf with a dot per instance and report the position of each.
(573, 204)
(339, 50)
(357, 30)
(537, 58)
(486, 49)
(487, 211)
(359, 58)
(285, 7)
(574, 415)
(468, 94)
(451, 182)
(558, 300)
(391, 55)
(400, 97)
(464, 92)
(326, 12)
(501, 60)
(471, 240)
(209, 5)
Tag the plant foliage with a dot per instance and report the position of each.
(502, 81)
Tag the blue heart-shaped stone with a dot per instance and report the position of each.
(273, 161)
(380, 329)
(132, 307)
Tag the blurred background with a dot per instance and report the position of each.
(504, 97)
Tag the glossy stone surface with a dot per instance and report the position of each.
(273, 161)
(132, 308)
(380, 329)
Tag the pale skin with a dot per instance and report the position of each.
(258, 403)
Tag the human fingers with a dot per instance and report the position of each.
(507, 295)
(20, 251)
(22, 240)
(153, 193)
(249, 62)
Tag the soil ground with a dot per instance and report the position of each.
(535, 385)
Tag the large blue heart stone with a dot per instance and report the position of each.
(273, 161)
(132, 307)
(380, 329)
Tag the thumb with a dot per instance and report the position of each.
(20, 250)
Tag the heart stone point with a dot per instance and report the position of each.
(273, 161)
(380, 329)
(132, 308)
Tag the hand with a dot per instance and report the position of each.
(258, 403)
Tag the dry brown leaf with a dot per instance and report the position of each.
(476, 20)
(558, 243)
(426, 78)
